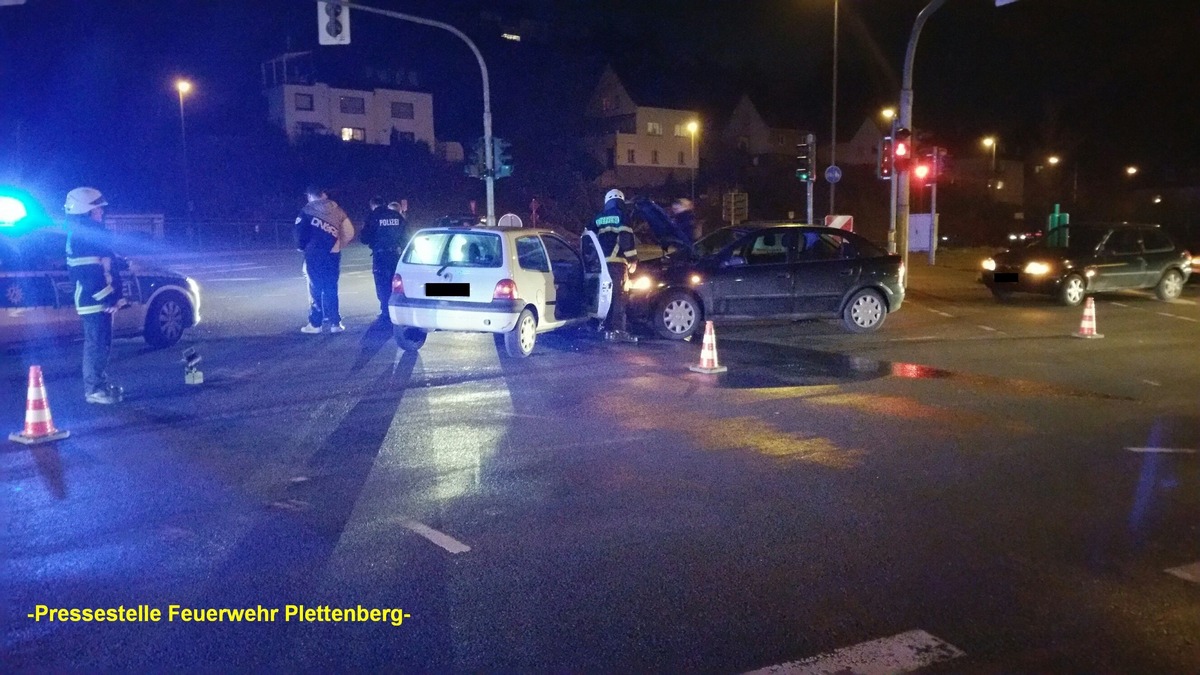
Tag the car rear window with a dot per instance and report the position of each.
(1156, 241)
(454, 249)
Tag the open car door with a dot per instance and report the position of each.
(597, 283)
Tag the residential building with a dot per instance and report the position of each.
(639, 146)
(750, 133)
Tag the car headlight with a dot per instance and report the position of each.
(642, 283)
(1037, 268)
(989, 264)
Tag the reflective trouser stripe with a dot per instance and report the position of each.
(86, 260)
(93, 309)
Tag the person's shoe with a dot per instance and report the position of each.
(117, 392)
(622, 336)
(310, 329)
(102, 398)
(337, 328)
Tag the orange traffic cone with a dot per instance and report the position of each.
(708, 353)
(39, 424)
(1087, 327)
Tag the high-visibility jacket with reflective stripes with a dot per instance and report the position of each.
(616, 237)
(90, 265)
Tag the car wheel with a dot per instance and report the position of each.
(865, 312)
(166, 319)
(519, 341)
(1073, 290)
(677, 316)
(1002, 295)
(408, 338)
(1170, 286)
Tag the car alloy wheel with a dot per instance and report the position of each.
(170, 320)
(165, 320)
(1073, 290)
(1171, 286)
(679, 316)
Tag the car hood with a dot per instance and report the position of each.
(143, 268)
(1016, 256)
(666, 233)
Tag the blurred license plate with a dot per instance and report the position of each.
(447, 290)
(1006, 277)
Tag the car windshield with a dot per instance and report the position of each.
(718, 240)
(454, 249)
(1080, 239)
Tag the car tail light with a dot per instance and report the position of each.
(505, 290)
(902, 269)
(397, 284)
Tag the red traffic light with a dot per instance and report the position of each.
(902, 150)
(921, 171)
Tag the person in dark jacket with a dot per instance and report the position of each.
(384, 232)
(322, 230)
(620, 250)
(95, 271)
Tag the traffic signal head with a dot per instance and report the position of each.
(804, 162)
(333, 23)
(502, 157)
(902, 150)
(922, 173)
(884, 168)
(476, 166)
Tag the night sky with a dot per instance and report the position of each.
(1107, 82)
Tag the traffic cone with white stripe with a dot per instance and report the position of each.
(39, 423)
(708, 353)
(1087, 326)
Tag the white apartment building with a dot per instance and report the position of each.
(351, 114)
(638, 145)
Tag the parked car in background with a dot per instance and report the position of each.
(764, 270)
(512, 282)
(1071, 262)
(37, 298)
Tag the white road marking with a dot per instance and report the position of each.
(938, 312)
(233, 279)
(913, 339)
(1176, 316)
(901, 653)
(444, 540)
(1152, 383)
(1183, 301)
(1187, 572)
(987, 328)
(1118, 304)
(1166, 451)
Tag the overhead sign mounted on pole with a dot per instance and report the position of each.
(333, 23)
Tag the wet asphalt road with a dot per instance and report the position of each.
(963, 472)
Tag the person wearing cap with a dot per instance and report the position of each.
(384, 234)
(620, 250)
(322, 230)
(95, 271)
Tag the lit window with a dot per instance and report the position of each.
(402, 110)
(653, 128)
(654, 157)
(352, 105)
(354, 134)
(630, 157)
(680, 131)
(304, 102)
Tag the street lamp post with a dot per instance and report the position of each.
(833, 107)
(692, 128)
(185, 87)
(889, 114)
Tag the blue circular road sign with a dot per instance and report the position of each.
(833, 174)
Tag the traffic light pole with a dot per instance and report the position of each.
(811, 139)
(490, 178)
(906, 101)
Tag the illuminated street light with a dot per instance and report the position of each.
(184, 87)
(1131, 170)
(888, 114)
(1053, 160)
(1157, 199)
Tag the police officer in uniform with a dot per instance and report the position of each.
(95, 270)
(384, 232)
(620, 249)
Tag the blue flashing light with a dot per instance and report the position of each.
(12, 210)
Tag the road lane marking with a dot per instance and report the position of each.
(1187, 572)
(987, 328)
(1165, 451)
(1118, 304)
(1176, 316)
(233, 279)
(1182, 301)
(938, 312)
(441, 539)
(1152, 383)
(901, 653)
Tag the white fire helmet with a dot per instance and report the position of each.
(82, 200)
(614, 194)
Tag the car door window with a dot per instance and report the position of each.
(767, 248)
(1157, 241)
(531, 255)
(822, 246)
(1123, 242)
(561, 253)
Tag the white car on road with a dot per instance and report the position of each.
(512, 282)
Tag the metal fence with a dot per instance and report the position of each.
(213, 234)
